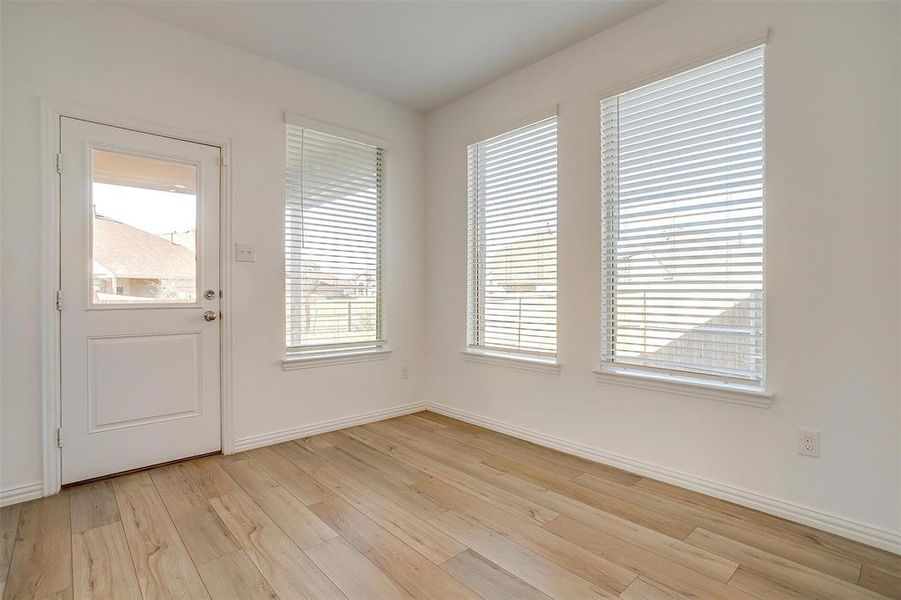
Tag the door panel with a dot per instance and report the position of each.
(123, 393)
(139, 240)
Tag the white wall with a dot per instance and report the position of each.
(832, 261)
(110, 59)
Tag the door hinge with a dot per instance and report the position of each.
(59, 437)
(59, 299)
(59, 162)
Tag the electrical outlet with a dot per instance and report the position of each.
(404, 372)
(809, 443)
(244, 253)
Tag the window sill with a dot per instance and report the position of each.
(684, 386)
(295, 361)
(512, 361)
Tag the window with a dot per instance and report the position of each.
(513, 242)
(143, 226)
(683, 225)
(334, 213)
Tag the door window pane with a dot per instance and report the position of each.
(144, 226)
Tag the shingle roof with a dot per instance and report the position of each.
(127, 251)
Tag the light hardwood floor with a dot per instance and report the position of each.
(421, 506)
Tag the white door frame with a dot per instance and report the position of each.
(50, 272)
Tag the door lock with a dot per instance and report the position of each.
(210, 315)
(209, 295)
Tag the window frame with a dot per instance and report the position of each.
(734, 390)
(474, 350)
(314, 355)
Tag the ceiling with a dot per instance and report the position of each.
(421, 54)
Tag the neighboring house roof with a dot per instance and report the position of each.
(126, 251)
(328, 285)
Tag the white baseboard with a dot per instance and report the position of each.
(293, 433)
(31, 491)
(21, 493)
(861, 532)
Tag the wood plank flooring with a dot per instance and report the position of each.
(423, 507)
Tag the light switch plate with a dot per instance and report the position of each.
(245, 253)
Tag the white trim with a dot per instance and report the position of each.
(226, 318)
(513, 361)
(855, 530)
(337, 130)
(52, 111)
(295, 361)
(22, 493)
(293, 433)
(685, 386)
(50, 323)
(740, 43)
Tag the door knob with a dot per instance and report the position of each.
(210, 315)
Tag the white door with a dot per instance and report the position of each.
(139, 281)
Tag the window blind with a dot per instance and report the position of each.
(334, 211)
(683, 223)
(513, 241)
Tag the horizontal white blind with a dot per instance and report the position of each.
(334, 208)
(682, 244)
(513, 241)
